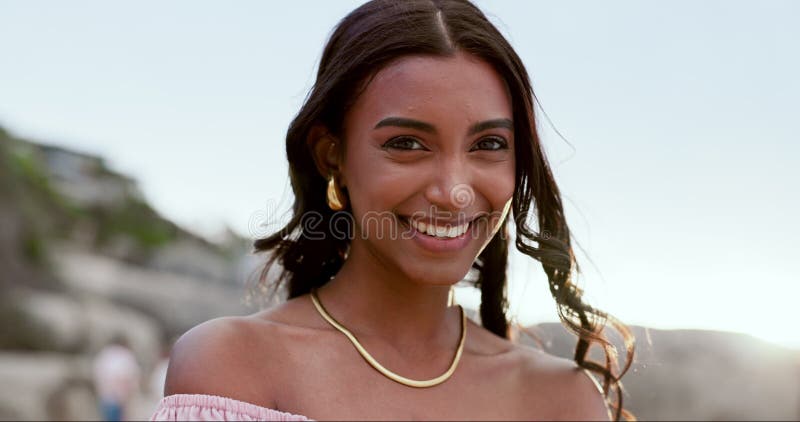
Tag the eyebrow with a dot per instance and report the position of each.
(429, 128)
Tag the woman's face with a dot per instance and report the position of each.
(430, 142)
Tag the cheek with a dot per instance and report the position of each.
(497, 184)
(498, 189)
(505, 187)
(373, 184)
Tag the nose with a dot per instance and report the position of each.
(450, 189)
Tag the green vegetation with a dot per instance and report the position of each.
(33, 248)
(27, 182)
(135, 219)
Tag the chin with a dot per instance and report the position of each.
(440, 275)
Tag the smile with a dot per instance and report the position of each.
(445, 231)
(439, 236)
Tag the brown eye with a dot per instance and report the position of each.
(404, 143)
(492, 143)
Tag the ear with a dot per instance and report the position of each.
(327, 152)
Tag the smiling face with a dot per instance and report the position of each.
(429, 147)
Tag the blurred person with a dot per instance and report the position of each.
(116, 378)
(415, 143)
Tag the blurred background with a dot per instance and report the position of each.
(142, 150)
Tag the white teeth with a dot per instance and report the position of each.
(432, 230)
(452, 232)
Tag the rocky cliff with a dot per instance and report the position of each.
(698, 374)
(84, 258)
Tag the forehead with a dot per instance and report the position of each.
(461, 88)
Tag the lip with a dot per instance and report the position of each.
(439, 245)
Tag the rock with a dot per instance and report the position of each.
(75, 400)
(177, 302)
(699, 375)
(86, 324)
(52, 386)
(193, 258)
(62, 316)
(36, 378)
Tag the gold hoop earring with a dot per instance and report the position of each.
(335, 198)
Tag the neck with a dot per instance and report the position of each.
(373, 300)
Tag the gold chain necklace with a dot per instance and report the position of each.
(395, 377)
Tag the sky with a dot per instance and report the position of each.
(677, 156)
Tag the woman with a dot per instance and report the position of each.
(414, 148)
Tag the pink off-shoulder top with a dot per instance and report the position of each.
(201, 407)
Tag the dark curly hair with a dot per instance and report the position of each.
(363, 43)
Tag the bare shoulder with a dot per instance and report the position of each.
(567, 391)
(211, 358)
(227, 357)
(544, 386)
